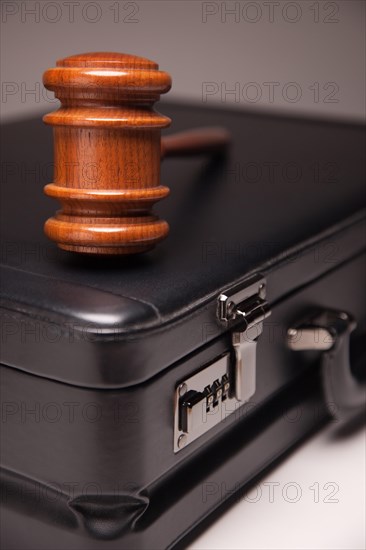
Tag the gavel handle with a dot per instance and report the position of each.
(200, 141)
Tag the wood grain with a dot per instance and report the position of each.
(107, 149)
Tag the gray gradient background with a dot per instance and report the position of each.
(226, 49)
(173, 34)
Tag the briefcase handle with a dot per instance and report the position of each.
(329, 332)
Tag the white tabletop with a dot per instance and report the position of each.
(315, 499)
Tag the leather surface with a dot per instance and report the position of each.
(222, 225)
(128, 432)
(173, 505)
(284, 202)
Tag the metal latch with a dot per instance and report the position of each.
(221, 387)
(244, 308)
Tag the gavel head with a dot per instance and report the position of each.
(107, 149)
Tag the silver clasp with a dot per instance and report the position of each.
(244, 307)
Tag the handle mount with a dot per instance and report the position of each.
(329, 332)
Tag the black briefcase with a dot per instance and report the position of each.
(132, 389)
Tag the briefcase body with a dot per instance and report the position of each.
(141, 396)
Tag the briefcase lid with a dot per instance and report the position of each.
(285, 185)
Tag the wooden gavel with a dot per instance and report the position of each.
(108, 149)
